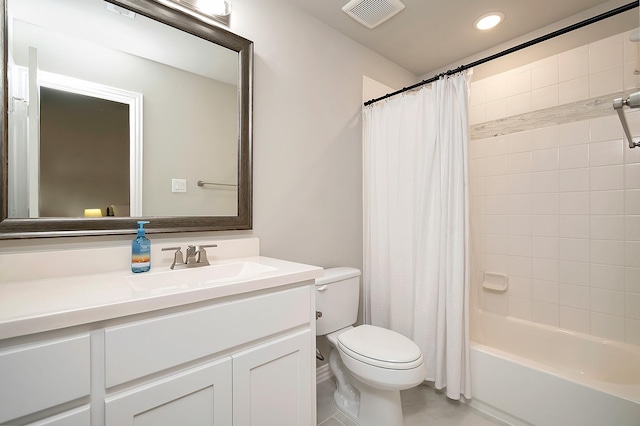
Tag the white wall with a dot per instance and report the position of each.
(307, 133)
(307, 138)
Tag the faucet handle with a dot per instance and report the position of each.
(202, 253)
(191, 255)
(177, 257)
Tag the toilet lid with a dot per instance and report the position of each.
(380, 347)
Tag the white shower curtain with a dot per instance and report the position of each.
(417, 225)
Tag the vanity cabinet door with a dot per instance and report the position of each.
(198, 396)
(273, 383)
(42, 375)
(78, 417)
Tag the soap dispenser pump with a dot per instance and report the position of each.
(141, 250)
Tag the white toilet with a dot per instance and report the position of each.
(371, 364)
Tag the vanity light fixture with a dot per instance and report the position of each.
(121, 11)
(212, 8)
(488, 21)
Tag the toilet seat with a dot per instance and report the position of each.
(380, 347)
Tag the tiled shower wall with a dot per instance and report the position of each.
(557, 208)
(600, 68)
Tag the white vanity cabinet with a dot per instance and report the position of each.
(265, 375)
(198, 396)
(39, 375)
(78, 417)
(272, 385)
(264, 385)
(238, 360)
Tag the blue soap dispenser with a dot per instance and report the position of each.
(141, 250)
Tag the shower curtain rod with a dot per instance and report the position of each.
(546, 37)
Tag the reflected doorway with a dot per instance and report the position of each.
(84, 155)
(64, 195)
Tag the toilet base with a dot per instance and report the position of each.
(377, 407)
(364, 404)
(347, 398)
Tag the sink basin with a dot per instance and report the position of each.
(193, 278)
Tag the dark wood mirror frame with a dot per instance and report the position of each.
(64, 227)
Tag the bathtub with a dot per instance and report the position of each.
(531, 374)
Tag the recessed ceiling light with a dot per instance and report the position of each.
(488, 21)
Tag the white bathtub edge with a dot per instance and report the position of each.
(522, 395)
(496, 413)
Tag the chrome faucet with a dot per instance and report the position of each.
(177, 256)
(201, 254)
(196, 256)
(191, 256)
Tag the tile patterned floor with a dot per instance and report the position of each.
(421, 406)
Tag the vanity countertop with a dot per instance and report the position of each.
(39, 305)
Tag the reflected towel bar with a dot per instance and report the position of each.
(633, 101)
(201, 183)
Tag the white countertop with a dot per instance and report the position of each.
(32, 306)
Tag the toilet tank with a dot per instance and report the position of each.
(337, 297)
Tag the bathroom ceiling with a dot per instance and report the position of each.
(430, 35)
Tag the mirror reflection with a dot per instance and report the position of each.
(114, 114)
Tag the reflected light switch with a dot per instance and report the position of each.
(178, 185)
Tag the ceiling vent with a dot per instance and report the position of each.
(372, 13)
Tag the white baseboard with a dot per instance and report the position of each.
(323, 373)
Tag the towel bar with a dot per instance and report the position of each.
(633, 101)
(201, 183)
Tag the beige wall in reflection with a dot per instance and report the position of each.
(190, 123)
(84, 146)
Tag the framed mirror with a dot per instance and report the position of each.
(122, 110)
